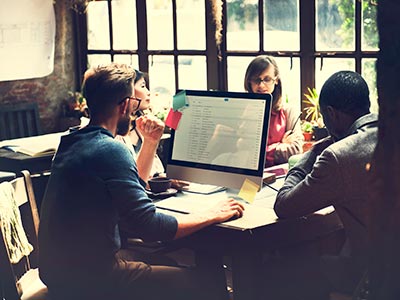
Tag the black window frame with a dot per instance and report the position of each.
(217, 55)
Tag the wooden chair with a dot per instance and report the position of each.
(21, 281)
(19, 120)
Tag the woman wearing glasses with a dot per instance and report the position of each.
(284, 137)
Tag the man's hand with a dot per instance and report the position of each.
(226, 209)
(175, 183)
(222, 211)
(179, 184)
(150, 127)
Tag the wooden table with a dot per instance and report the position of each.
(16, 162)
(245, 240)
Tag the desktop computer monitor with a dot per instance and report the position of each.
(220, 139)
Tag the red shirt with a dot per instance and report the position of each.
(277, 128)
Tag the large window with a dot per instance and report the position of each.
(207, 44)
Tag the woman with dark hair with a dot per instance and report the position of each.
(147, 167)
(148, 163)
(284, 136)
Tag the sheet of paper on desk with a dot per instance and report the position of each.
(190, 204)
(41, 145)
(266, 198)
(254, 215)
(35, 145)
(35, 152)
(277, 184)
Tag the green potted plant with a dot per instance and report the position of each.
(307, 129)
(313, 114)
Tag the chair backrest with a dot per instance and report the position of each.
(19, 120)
(13, 277)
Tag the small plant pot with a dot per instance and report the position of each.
(308, 136)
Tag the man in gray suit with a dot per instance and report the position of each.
(335, 172)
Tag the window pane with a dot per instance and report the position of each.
(242, 25)
(370, 39)
(124, 24)
(161, 102)
(127, 59)
(162, 78)
(335, 25)
(369, 74)
(330, 66)
(236, 69)
(97, 22)
(159, 22)
(281, 24)
(98, 59)
(191, 24)
(290, 77)
(192, 72)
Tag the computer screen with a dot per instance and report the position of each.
(220, 139)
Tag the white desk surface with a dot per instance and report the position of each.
(257, 214)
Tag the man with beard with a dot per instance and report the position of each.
(94, 191)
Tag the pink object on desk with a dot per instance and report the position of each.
(279, 170)
(173, 119)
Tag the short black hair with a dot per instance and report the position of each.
(347, 92)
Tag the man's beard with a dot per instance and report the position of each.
(124, 125)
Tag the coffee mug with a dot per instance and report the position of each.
(159, 184)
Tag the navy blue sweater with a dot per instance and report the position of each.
(93, 191)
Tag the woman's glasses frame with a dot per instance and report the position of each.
(266, 80)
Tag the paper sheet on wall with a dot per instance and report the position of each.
(27, 36)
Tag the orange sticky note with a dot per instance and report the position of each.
(173, 119)
(248, 191)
